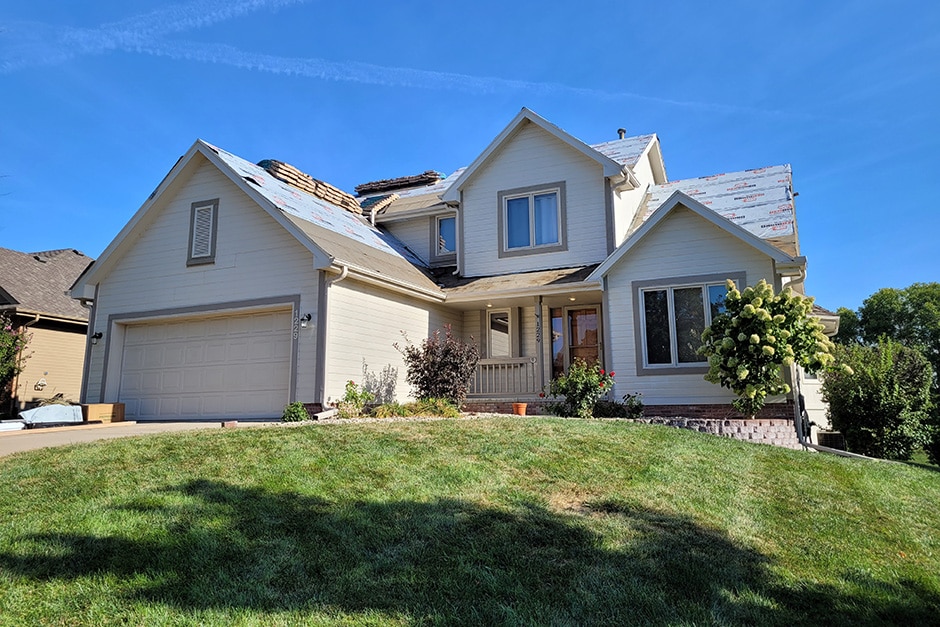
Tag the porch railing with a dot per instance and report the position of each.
(505, 376)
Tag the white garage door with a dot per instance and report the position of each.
(235, 366)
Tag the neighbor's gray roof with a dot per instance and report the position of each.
(342, 235)
(760, 201)
(39, 282)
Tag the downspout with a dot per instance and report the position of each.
(322, 328)
(19, 357)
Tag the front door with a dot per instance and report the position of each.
(576, 334)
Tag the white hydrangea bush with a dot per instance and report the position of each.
(757, 333)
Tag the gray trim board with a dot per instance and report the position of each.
(86, 366)
(605, 322)
(164, 315)
(640, 341)
(214, 229)
(319, 377)
(562, 245)
(609, 216)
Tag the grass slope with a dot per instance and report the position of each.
(501, 521)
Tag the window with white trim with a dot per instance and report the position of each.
(446, 236)
(203, 228)
(672, 318)
(532, 220)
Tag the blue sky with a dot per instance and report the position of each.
(98, 100)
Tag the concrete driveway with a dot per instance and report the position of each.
(30, 439)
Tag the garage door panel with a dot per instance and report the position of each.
(235, 366)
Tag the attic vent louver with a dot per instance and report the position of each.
(202, 232)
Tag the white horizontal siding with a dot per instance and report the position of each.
(684, 244)
(256, 258)
(415, 234)
(533, 157)
(365, 323)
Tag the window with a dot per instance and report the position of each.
(532, 220)
(671, 318)
(498, 334)
(444, 244)
(203, 227)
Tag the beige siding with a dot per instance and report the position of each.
(255, 259)
(56, 357)
(684, 244)
(415, 234)
(365, 323)
(533, 157)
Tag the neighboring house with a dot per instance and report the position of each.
(34, 293)
(239, 287)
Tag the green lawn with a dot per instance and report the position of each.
(496, 521)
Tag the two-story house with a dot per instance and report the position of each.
(237, 287)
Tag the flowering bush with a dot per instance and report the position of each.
(295, 412)
(580, 389)
(757, 334)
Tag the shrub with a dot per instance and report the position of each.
(756, 334)
(354, 399)
(12, 343)
(580, 388)
(879, 397)
(432, 407)
(441, 367)
(295, 412)
(390, 410)
(631, 407)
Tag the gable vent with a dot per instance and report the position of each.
(202, 232)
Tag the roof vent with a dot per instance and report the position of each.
(306, 183)
(622, 132)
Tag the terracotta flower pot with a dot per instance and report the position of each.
(519, 409)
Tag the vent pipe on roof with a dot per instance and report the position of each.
(622, 132)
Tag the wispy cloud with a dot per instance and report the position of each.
(30, 44)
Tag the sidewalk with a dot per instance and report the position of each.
(31, 439)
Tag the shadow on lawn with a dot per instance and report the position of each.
(446, 561)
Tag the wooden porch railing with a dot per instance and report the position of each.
(505, 376)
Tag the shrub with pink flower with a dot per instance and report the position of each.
(580, 388)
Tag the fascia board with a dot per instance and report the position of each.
(611, 167)
(102, 264)
(679, 199)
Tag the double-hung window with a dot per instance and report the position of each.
(671, 317)
(532, 220)
(443, 239)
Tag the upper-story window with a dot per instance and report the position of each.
(443, 239)
(672, 315)
(203, 228)
(532, 220)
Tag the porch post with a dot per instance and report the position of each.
(540, 363)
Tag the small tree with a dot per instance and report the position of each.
(879, 397)
(12, 356)
(757, 333)
(441, 367)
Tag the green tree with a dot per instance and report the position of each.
(759, 332)
(850, 327)
(879, 397)
(910, 316)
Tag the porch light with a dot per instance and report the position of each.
(304, 320)
(571, 298)
(95, 337)
(489, 305)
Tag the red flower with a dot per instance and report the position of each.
(602, 384)
(541, 394)
(602, 372)
(613, 374)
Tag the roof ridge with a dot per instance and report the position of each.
(428, 177)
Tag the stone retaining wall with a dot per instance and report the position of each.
(775, 431)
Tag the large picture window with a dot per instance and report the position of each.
(671, 318)
(532, 220)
